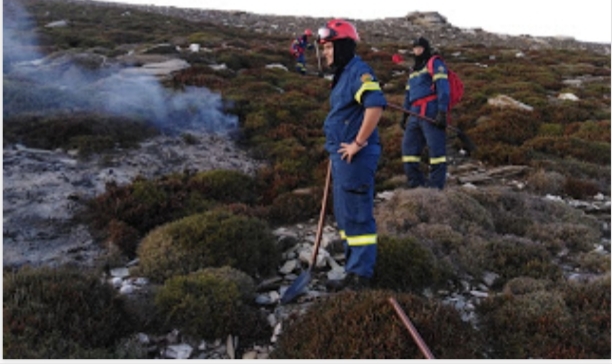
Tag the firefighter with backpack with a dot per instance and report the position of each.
(298, 49)
(427, 94)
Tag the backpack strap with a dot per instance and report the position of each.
(430, 63)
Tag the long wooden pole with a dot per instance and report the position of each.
(413, 331)
(321, 215)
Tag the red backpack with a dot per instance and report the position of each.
(454, 82)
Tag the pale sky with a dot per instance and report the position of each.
(586, 20)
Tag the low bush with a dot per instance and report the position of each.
(364, 325)
(410, 208)
(509, 257)
(212, 239)
(87, 132)
(404, 265)
(61, 313)
(545, 182)
(567, 237)
(571, 321)
(211, 304)
(225, 186)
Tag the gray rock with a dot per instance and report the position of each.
(179, 351)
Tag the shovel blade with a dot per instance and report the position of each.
(297, 287)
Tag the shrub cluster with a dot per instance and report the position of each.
(124, 212)
(87, 132)
(61, 313)
(364, 325)
(404, 265)
(488, 229)
(212, 303)
(212, 239)
(571, 321)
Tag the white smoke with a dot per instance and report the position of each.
(57, 83)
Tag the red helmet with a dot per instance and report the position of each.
(308, 32)
(397, 58)
(337, 29)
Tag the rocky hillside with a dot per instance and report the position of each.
(150, 146)
(400, 30)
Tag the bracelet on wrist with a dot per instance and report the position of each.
(360, 145)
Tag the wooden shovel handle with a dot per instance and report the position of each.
(321, 216)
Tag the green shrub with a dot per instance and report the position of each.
(570, 321)
(61, 313)
(550, 129)
(557, 237)
(211, 239)
(593, 262)
(515, 212)
(211, 304)
(588, 151)
(225, 186)
(512, 257)
(122, 237)
(590, 131)
(404, 265)
(410, 208)
(87, 132)
(292, 207)
(524, 285)
(545, 182)
(531, 325)
(580, 188)
(145, 204)
(589, 304)
(364, 325)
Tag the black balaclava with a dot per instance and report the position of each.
(344, 51)
(421, 61)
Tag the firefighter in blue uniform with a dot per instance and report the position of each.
(427, 96)
(298, 49)
(353, 143)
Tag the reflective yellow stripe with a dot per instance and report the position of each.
(407, 87)
(411, 158)
(361, 240)
(366, 86)
(437, 160)
(438, 76)
(418, 73)
(342, 235)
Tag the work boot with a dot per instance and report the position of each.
(335, 285)
(351, 282)
(359, 283)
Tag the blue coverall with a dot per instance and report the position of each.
(353, 183)
(426, 95)
(298, 47)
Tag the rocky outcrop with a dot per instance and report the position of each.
(401, 29)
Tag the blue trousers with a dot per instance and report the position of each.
(353, 196)
(300, 64)
(419, 133)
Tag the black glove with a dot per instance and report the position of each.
(441, 120)
(403, 120)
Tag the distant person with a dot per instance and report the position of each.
(298, 49)
(352, 140)
(429, 96)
